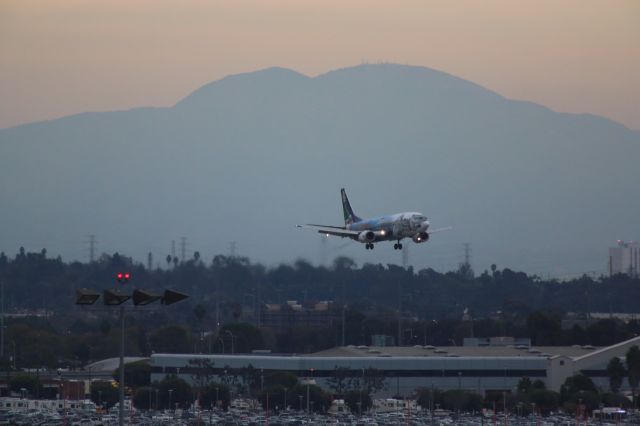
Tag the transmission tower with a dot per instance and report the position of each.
(173, 249)
(183, 249)
(465, 267)
(467, 254)
(92, 248)
(232, 248)
(149, 261)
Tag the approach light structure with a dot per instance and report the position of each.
(117, 296)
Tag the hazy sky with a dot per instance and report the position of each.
(68, 56)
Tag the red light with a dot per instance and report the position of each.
(119, 276)
(127, 276)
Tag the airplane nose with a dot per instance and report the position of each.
(425, 225)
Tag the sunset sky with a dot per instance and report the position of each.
(69, 56)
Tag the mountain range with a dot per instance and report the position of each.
(246, 158)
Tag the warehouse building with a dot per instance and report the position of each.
(476, 368)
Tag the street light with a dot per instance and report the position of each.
(170, 393)
(117, 297)
(285, 399)
(230, 334)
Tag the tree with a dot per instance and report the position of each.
(579, 388)
(427, 398)
(319, 400)
(545, 329)
(545, 400)
(373, 380)
(616, 373)
(459, 400)
(104, 393)
(280, 378)
(575, 384)
(199, 311)
(216, 394)
(358, 401)
(339, 382)
(633, 369)
(29, 382)
(105, 327)
(524, 385)
(180, 394)
(136, 374)
(170, 339)
(144, 398)
(273, 398)
(203, 372)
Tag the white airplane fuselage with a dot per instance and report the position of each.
(393, 227)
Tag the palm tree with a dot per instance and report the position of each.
(633, 369)
(616, 373)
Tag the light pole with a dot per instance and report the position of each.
(121, 384)
(170, 394)
(285, 399)
(116, 297)
(300, 398)
(157, 390)
(230, 334)
(13, 342)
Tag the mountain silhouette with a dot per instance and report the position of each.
(248, 157)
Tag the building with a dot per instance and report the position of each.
(480, 369)
(625, 259)
(293, 314)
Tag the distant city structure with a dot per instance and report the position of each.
(294, 314)
(625, 259)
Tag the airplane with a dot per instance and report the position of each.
(394, 227)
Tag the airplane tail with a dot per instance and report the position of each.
(349, 216)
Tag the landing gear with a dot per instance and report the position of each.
(369, 246)
(397, 246)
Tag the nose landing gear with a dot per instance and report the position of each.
(368, 246)
(397, 246)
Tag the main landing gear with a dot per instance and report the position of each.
(397, 246)
(369, 246)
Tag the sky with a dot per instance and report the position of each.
(69, 56)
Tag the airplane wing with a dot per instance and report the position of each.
(338, 231)
(433, 231)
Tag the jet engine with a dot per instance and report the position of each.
(421, 237)
(367, 236)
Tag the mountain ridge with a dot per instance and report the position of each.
(266, 150)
